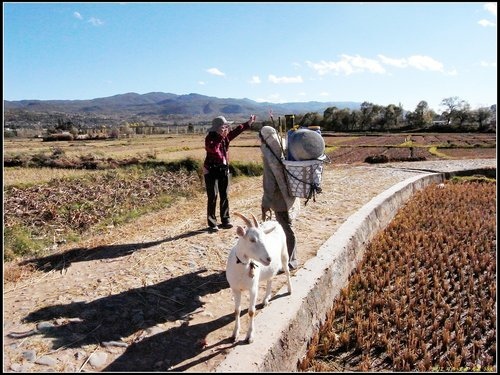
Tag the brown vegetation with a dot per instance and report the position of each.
(43, 213)
(424, 296)
(63, 207)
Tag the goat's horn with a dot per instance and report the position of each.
(256, 224)
(247, 222)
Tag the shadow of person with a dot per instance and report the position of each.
(64, 260)
(114, 317)
(163, 351)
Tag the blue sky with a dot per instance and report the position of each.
(383, 53)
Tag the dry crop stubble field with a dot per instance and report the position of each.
(342, 148)
(154, 258)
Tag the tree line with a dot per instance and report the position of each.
(457, 116)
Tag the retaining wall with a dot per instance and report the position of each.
(284, 328)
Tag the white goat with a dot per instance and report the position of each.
(258, 255)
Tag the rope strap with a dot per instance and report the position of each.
(314, 187)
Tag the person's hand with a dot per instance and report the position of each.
(266, 213)
(252, 120)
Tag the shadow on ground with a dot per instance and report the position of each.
(165, 350)
(134, 311)
(64, 260)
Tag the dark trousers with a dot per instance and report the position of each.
(216, 184)
(283, 218)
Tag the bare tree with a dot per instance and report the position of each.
(452, 104)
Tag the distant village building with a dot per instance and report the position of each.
(439, 122)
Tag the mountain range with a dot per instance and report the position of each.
(159, 105)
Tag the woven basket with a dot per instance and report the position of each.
(304, 177)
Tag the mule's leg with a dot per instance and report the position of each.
(251, 311)
(237, 310)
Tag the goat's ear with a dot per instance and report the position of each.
(269, 230)
(240, 231)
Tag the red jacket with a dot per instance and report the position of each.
(217, 147)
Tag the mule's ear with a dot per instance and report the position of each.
(240, 231)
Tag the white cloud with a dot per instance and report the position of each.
(273, 98)
(95, 21)
(361, 64)
(398, 63)
(486, 23)
(347, 65)
(491, 7)
(255, 80)
(215, 72)
(488, 64)
(417, 61)
(201, 83)
(356, 64)
(324, 93)
(425, 63)
(272, 78)
(92, 20)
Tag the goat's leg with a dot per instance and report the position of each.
(284, 265)
(237, 310)
(251, 312)
(267, 297)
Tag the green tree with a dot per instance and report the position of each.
(483, 116)
(336, 119)
(366, 115)
(421, 117)
(463, 114)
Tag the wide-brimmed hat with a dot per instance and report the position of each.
(218, 122)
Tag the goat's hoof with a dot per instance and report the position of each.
(249, 340)
(234, 338)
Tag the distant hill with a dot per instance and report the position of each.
(159, 105)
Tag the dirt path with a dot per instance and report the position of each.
(152, 296)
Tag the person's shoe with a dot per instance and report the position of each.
(213, 229)
(226, 225)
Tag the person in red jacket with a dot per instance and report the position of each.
(216, 168)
